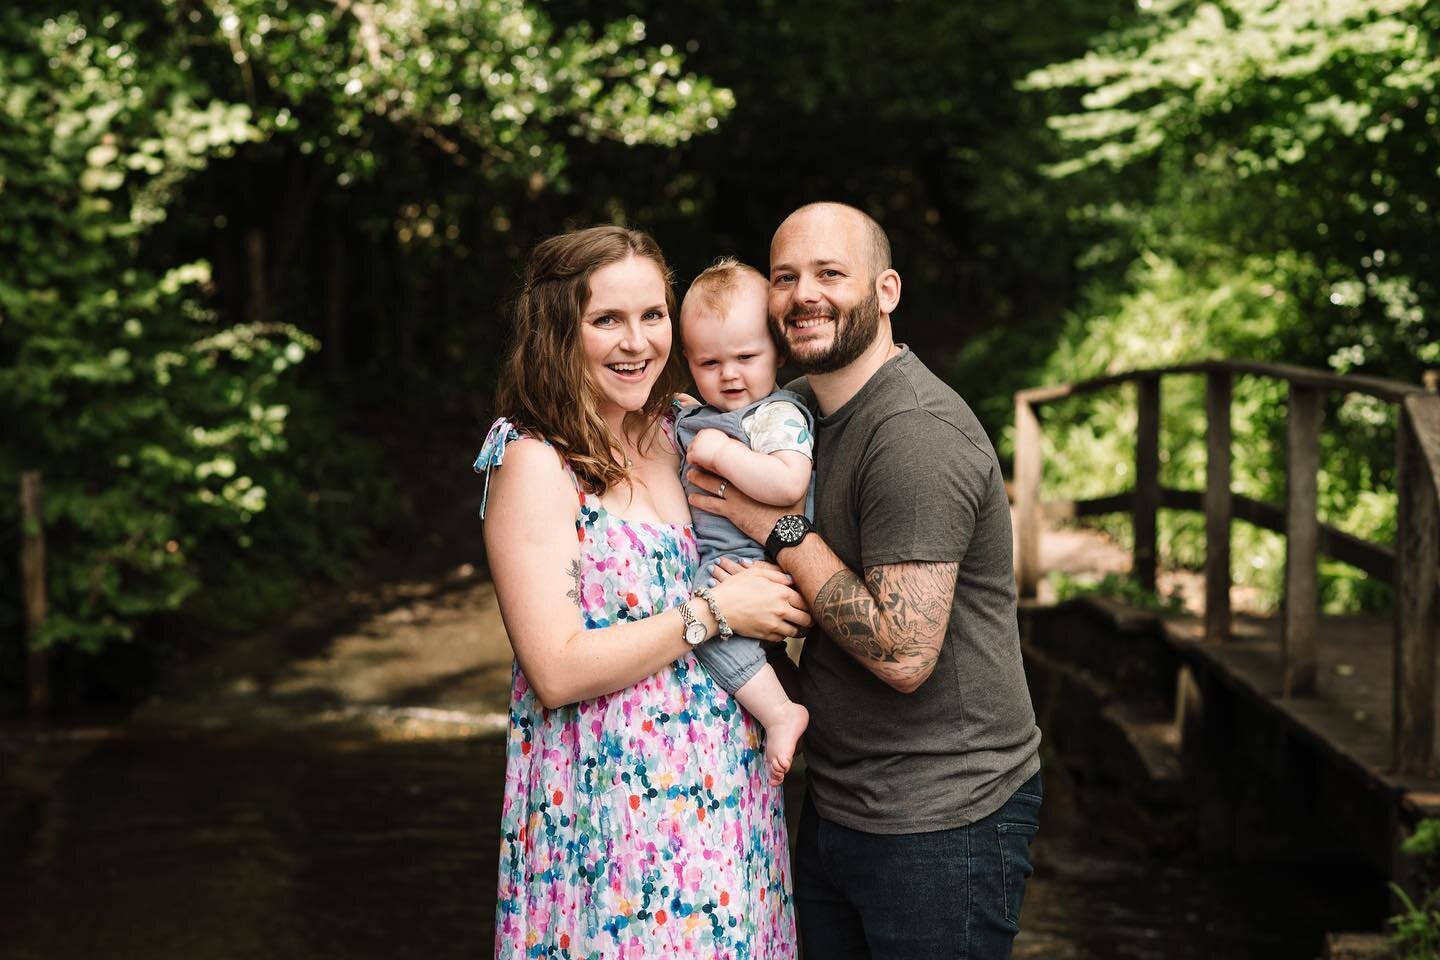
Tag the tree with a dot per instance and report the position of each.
(153, 406)
(1289, 152)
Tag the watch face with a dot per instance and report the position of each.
(789, 529)
(695, 633)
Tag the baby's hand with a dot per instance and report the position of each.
(705, 448)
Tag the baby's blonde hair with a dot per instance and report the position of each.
(716, 285)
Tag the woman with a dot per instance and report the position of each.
(638, 820)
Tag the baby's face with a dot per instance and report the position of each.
(731, 355)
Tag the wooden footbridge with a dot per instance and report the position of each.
(1353, 698)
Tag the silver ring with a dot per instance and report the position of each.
(721, 493)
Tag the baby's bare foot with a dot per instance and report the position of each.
(781, 739)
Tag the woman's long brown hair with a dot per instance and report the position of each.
(544, 388)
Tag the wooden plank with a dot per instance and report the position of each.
(1147, 479)
(1302, 542)
(1028, 518)
(1424, 413)
(1218, 506)
(1070, 509)
(1393, 391)
(1417, 552)
(1374, 559)
(32, 575)
(1356, 946)
(1332, 721)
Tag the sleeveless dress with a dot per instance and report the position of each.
(641, 823)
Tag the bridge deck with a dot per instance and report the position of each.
(1351, 714)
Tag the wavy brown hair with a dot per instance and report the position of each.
(544, 387)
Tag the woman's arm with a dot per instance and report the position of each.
(534, 559)
(778, 478)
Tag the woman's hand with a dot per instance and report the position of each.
(727, 567)
(760, 602)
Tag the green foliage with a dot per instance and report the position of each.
(1288, 155)
(1117, 587)
(1354, 67)
(136, 402)
(1416, 934)
(488, 84)
(158, 404)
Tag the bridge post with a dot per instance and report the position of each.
(1417, 553)
(1147, 478)
(1218, 505)
(1027, 470)
(1302, 542)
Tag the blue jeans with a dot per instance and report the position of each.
(915, 896)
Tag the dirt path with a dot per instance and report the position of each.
(430, 653)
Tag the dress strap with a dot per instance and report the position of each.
(492, 452)
(677, 409)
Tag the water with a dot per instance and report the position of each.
(315, 847)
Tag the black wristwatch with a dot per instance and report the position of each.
(788, 531)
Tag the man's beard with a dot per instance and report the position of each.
(855, 331)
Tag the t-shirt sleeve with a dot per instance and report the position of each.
(779, 425)
(921, 488)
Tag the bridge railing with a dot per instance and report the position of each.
(1410, 564)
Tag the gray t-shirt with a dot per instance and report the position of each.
(904, 472)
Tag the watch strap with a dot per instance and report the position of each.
(725, 633)
(688, 617)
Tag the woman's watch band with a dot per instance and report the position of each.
(725, 632)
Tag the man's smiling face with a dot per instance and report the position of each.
(822, 289)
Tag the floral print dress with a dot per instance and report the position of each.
(639, 824)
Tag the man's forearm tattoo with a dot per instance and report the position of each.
(850, 616)
(896, 616)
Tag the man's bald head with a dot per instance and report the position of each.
(877, 243)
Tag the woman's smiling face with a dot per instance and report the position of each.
(625, 333)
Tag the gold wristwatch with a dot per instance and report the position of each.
(695, 631)
(725, 632)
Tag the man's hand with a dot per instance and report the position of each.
(892, 622)
(751, 517)
(704, 450)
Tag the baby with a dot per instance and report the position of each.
(760, 439)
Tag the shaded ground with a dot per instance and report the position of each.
(331, 789)
(431, 651)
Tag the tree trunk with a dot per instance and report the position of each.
(257, 306)
(32, 574)
(334, 345)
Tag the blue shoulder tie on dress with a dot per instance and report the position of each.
(502, 431)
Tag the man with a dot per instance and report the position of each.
(922, 748)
